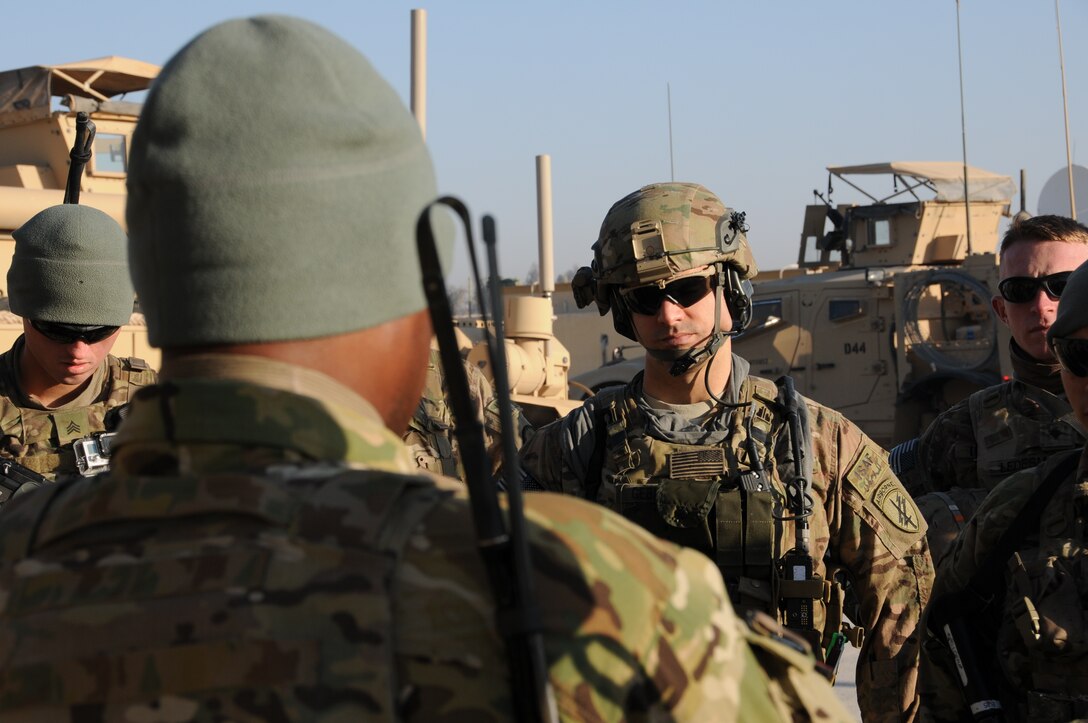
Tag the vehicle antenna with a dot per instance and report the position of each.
(1065, 108)
(963, 129)
(419, 69)
(80, 155)
(672, 166)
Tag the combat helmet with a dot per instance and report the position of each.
(661, 231)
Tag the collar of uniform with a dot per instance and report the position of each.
(90, 394)
(254, 401)
(1045, 375)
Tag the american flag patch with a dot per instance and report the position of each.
(697, 464)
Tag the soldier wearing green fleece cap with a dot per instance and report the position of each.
(263, 548)
(69, 282)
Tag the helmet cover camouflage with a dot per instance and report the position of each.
(666, 229)
(657, 232)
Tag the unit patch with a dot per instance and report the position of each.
(867, 470)
(892, 500)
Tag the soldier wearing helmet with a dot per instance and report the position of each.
(789, 498)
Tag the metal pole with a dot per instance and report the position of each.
(963, 129)
(672, 166)
(1023, 190)
(544, 224)
(419, 69)
(1065, 108)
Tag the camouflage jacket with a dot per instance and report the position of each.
(1032, 629)
(992, 434)
(863, 523)
(430, 435)
(262, 551)
(41, 439)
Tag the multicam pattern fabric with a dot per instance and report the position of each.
(863, 523)
(430, 438)
(689, 225)
(1035, 629)
(42, 439)
(260, 553)
(991, 435)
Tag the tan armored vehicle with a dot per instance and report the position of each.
(38, 107)
(886, 316)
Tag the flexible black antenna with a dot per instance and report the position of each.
(81, 153)
(506, 556)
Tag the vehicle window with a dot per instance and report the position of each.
(880, 232)
(765, 314)
(110, 155)
(843, 309)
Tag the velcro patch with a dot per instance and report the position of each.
(697, 464)
(897, 506)
(867, 470)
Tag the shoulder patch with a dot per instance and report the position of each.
(897, 506)
(867, 470)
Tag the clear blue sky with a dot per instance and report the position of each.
(765, 95)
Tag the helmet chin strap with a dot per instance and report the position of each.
(684, 360)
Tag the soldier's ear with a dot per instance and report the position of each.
(998, 304)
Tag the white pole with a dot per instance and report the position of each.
(419, 69)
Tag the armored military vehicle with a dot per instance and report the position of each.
(38, 107)
(886, 317)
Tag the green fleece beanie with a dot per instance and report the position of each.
(1073, 308)
(69, 266)
(274, 186)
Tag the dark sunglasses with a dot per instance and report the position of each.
(1022, 289)
(682, 292)
(1072, 355)
(71, 333)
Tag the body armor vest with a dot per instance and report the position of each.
(291, 606)
(1016, 427)
(726, 500)
(41, 440)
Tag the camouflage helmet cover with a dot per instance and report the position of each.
(666, 229)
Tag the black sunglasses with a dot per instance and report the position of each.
(71, 333)
(1022, 289)
(682, 292)
(1072, 355)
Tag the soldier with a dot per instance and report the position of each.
(69, 282)
(700, 452)
(261, 549)
(430, 436)
(1018, 424)
(1012, 591)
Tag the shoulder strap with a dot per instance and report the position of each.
(607, 415)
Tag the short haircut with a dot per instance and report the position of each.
(1044, 228)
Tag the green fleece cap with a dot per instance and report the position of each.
(69, 266)
(1073, 307)
(274, 186)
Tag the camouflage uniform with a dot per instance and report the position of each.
(41, 438)
(261, 551)
(430, 436)
(863, 523)
(1035, 626)
(977, 443)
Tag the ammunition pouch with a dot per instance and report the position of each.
(735, 527)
